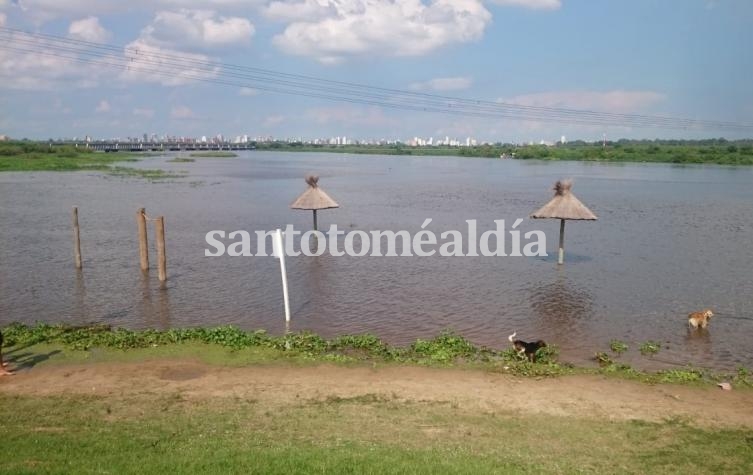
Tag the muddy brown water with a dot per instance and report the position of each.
(669, 240)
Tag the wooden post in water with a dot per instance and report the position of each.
(315, 229)
(143, 243)
(76, 239)
(561, 259)
(159, 225)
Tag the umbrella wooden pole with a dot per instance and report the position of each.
(561, 259)
(315, 221)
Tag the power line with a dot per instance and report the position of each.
(147, 61)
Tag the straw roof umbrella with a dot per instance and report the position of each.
(314, 198)
(564, 206)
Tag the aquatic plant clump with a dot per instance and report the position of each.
(446, 348)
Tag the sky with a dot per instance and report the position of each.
(677, 58)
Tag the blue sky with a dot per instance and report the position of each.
(684, 58)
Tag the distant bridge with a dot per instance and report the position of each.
(155, 146)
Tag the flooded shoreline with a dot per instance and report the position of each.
(670, 240)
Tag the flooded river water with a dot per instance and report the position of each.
(669, 240)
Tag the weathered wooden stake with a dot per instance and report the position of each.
(76, 239)
(562, 242)
(159, 225)
(143, 243)
(315, 221)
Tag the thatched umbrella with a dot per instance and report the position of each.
(564, 206)
(314, 198)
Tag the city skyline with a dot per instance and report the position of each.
(622, 58)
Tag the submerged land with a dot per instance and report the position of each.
(87, 400)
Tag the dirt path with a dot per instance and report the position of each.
(582, 396)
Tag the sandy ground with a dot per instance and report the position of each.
(580, 396)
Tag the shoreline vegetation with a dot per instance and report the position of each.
(213, 154)
(711, 151)
(32, 156)
(209, 400)
(445, 350)
(40, 156)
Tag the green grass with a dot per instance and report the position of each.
(144, 173)
(370, 433)
(31, 156)
(711, 151)
(213, 154)
(227, 345)
(28, 157)
(154, 431)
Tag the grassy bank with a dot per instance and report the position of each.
(220, 400)
(715, 151)
(241, 347)
(365, 434)
(29, 156)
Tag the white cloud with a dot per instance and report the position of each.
(248, 91)
(103, 106)
(296, 10)
(196, 28)
(41, 11)
(532, 4)
(618, 101)
(156, 55)
(182, 112)
(373, 27)
(143, 112)
(443, 84)
(149, 63)
(88, 29)
(39, 71)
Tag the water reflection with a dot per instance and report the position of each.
(155, 306)
(560, 303)
(699, 343)
(80, 311)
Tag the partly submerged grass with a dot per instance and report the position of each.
(150, 174)
(213, 154)
(371, 433)
(21, 156)
(227, 345)
(63, 161)
(181, 160)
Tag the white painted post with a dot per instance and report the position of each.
(561, 259)
(279, 251)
